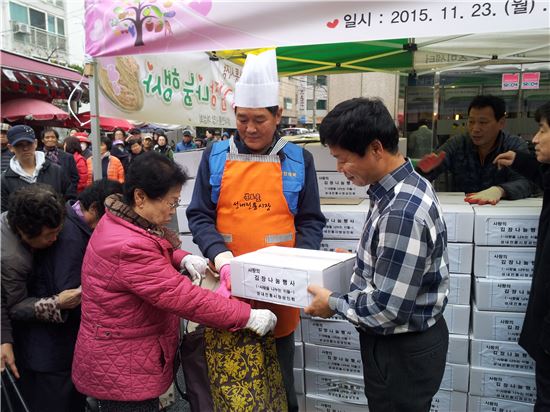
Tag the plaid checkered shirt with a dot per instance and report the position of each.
(401, 277)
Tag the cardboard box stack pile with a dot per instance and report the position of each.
(502, 374)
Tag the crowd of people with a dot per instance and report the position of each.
(94, 283)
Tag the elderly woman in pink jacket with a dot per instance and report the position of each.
(133, 294)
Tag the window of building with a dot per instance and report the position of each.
(321, 105)
(19, 13)
(288, 103)
(309, 104)
(322, 80)
(60, 26)
(51, 23)
(38, 19)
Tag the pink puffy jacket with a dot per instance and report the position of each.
(132, 298)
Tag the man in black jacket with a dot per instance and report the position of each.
(50, 140)
(29, 166)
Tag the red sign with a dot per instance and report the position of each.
(510, 81)
(530, 80)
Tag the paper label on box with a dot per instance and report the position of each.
(330, 405)
(506, 295)
(337, 185)
(340, 334)
(278, 285)
(504, 356)
(510, 264)
(441, 402)
(339, 362)
(340, 388)
(493, 404)
(341, 227)
(515, 388)
(512, 232)
(507, 329)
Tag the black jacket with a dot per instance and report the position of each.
(68, 165)
(50, 174)
(49, 347)
(535, 335)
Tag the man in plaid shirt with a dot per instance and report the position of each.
(400, 283)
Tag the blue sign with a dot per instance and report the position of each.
(303, 119)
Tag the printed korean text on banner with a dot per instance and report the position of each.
(130, 27)
(510, 81)
(182, 88)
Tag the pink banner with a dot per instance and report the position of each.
(530, 80)
(510, 81)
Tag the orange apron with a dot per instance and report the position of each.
(252, 213)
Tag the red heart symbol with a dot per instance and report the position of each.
(200, 77)
(149, 67)
(332, 24)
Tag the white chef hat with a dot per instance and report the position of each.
(258, 85)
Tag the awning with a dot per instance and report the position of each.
(37, 78)
(31, 109)
(105, 123)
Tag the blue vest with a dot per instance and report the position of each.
(292, 165)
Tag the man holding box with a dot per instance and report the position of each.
(257, 190)
(400, 283)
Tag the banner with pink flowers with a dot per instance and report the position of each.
(130, 27)
(184, 88)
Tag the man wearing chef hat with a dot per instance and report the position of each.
(257, 163)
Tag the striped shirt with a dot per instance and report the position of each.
(401, 277)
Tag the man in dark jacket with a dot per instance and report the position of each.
(50, 140)
(6, 153)
(535, 335)
(29, 166)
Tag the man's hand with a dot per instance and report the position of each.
(489, 196)
(8, 359)
(430, 161)
(505, 159)
(70, 298)
(319, 305)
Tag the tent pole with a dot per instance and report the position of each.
(94, 118)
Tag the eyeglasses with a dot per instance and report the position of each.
(173, 205)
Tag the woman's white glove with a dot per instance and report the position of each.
(261, 321)
(195, 266)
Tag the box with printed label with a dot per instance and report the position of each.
(298, 355)
(345, 221)
(459, 289)
(455, 378)
(323, 404)
(189, 160)
(449, 401)
(186, 193)
(457, 351)
(281, 275)
(483, 404)
(333, 360)
(506, 226)
(339, 333)
(331, 245)
(299, 380)
(336, 386)
(503, 384)
(460, 257)
(504, 262)
(459, 219)
(457, 318)
(508, 295)
(183, 224)
(322, 158)
(500, 355)
(501, 326)
(336, 184)
(188, 245)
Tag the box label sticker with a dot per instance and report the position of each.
(278, 285)
(511, 264)
(512, 232)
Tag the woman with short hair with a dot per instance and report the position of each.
(72, 146)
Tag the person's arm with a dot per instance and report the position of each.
(516, 186)
(449, 148)
(309, 220)
(68, 190)
(201, 213)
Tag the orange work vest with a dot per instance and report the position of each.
(252, 213)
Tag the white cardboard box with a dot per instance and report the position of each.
(482, 404)
(298, 355)
(460, 257)
(298, 333)
(449, 401)
(188, 245)
(301, 402)
(339, 333)
(504, 262)
(340, 387)
(299, 381)
(527, 202)
(322, 158)
(501, 326)
(189, 160)
(459, 289)
(333, 360)
(186, 193)
(459, 219)
(455, 198)
(457, 318)
(183, 223)
(503, 384)
(345, 221)
(455, 378)
(500, 355)
(457, 352)
(507, 295)
(281, 275)
(337, 185)
(506, 226)
(323, 404)
(347, 244)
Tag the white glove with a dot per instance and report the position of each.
(222, 259)
(195, 266)
(261, 321)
